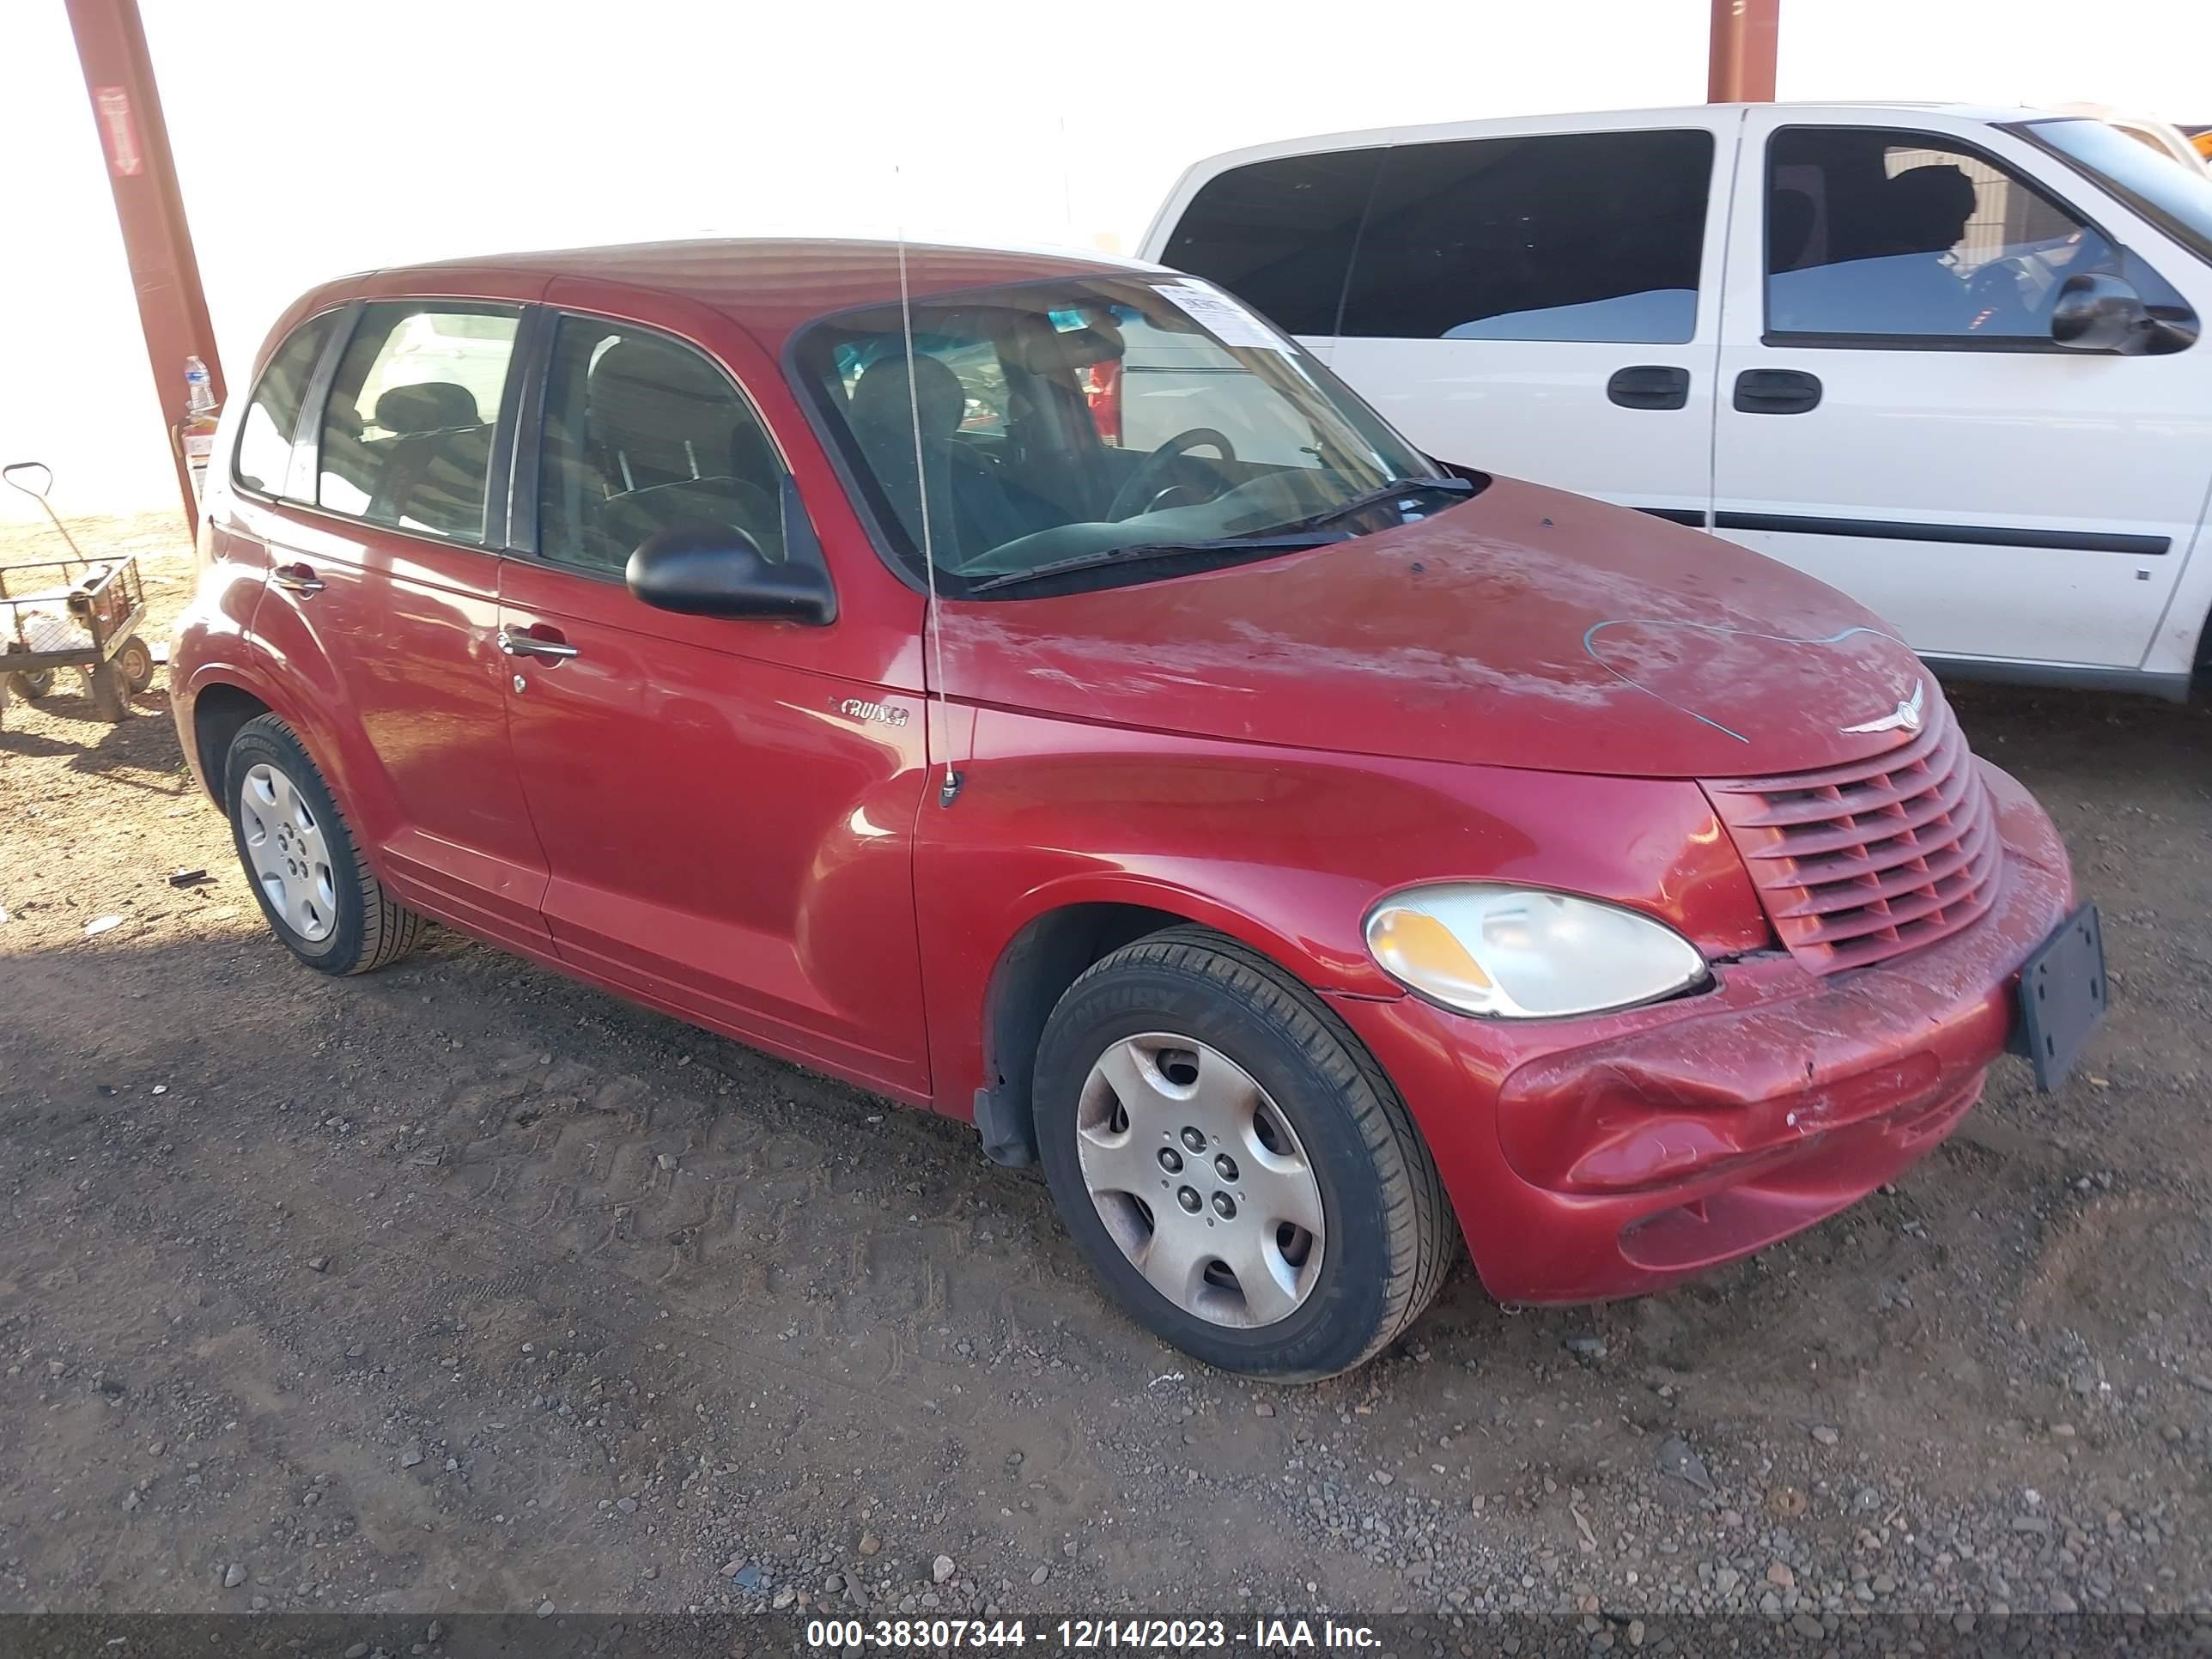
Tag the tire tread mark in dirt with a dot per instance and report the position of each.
(698, 1215)
(737, 1185)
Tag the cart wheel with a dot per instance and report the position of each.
(135, 662)
(31, 684)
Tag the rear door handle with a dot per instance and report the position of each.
(1776, 391)
(298, 579)
(1650, 385)
(517, 643)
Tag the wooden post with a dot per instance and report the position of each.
(126, 109)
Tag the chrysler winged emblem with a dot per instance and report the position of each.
(1906, 717)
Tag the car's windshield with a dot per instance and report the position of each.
(1069, 422)
(2171, 193)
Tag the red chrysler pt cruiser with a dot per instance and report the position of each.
(1035, 688)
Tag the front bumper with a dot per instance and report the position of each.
(1609, 1157)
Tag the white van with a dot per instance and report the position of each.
(1945, 359)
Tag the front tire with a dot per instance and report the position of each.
(1233, 1164)
(299, 854)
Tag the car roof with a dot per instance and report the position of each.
(775, 286)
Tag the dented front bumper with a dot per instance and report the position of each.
(1609, 1157)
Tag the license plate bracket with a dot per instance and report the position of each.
(2062, 996)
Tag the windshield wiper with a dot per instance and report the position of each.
(1145, 552)
(1380, 494)
(1298, 532)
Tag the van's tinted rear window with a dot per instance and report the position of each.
(1279, 234)
(1564, 236)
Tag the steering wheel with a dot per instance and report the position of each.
(1151, 475)
(1998, 290)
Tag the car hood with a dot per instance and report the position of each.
(1525, 628)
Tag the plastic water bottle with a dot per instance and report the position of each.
(199, 394)
(196, 432)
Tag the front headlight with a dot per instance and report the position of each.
(1522, 953)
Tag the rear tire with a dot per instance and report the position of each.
(299, 854)
(1312, 1175)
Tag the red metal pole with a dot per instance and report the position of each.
(1740, 69)
(126, 106)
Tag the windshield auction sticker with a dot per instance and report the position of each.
(1229, 321)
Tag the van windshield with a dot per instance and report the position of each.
(1079, 424)
(2172, 194)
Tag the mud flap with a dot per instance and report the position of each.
(1009, 1137)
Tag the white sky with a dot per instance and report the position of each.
(316, 138)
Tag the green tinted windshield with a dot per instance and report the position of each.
(1068, 419)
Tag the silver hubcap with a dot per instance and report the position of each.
(291, 860)
(1200, 1180)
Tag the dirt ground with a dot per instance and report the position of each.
(462, 1286)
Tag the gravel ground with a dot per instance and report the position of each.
(462, 1286)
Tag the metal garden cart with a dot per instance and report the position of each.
(78, 612)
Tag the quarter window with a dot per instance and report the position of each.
(1566, 236)
(1880, 234)
(642, 434)
(407, 432)
(265, 440)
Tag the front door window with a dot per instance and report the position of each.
(642, 434)
(1876, 235)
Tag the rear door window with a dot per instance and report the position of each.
(264, 461)
(1279, 234)
(407, 430)
(1566, 236)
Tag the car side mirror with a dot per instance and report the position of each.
(2097, 312)
(2094, 311)
(714, 570)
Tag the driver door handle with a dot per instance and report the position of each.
(298, 579)
(1776, 391)
(519, 643)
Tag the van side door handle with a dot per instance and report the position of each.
(298, 579)
(1776, 391)
(1650, 385)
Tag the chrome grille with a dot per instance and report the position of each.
(1864, 861)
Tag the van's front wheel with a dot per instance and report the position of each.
(1232, 1164)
